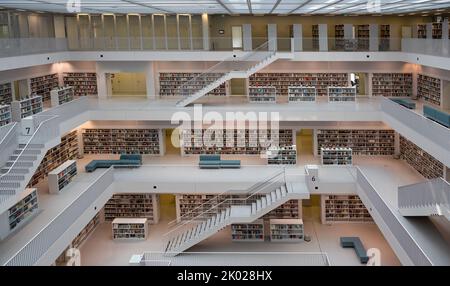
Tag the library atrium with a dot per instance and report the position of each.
(225, 133)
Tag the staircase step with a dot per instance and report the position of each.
(208, 224)
(263, 202)
(13, 178)
(283, 191)
(283, 187)
(253, 208)
(27, 152)
(7, 192)
(14, 170)
(228, 212)
(35, 146)
(258, 205)
(23, 158)
(19, 164)
(224, 215)
(8, 185)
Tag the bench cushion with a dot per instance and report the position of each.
(230, 164)
(434, 114)
(137, 157)
(209, 158)
(95, 164)
(404, 102)
(356, 244)
(209, 164)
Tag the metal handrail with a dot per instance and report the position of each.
(215, 67)
(215, 198)
(28, 143)
(234, 201)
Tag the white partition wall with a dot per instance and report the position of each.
(272, 36)
(348, 31)
(374, 37)
(247, 35)
(323, 37)
(445, 31)
(205, 28)
(429, 30)
(297, 34)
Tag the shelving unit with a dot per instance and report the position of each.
(315, 37)
(170, 82)
(6, 94)
(122, 141)
(344, 209)
(339, 37)
(262, 94)
(129, 229)
(42, 85)
(385, 37)
(282, 156)
(26, 107)
(363, 35)
(189, 202)
(424, 163)
(61, 95)
(362, 142)
(336, 156)
(422, 31)
(429, 88)
(133, 206)
(286, 230)
(392, 84)
(437, 31)
(61, 176)
(341, 94)
(252, 232)
(86, 231)
(66, 150)
(238, 142)
(83, 83)
(282, 81)
(23, 209)
(302, 94)
(5, 115)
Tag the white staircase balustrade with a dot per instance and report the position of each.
(261, 199)
(25, 159)
(230, 68)
(430, 198)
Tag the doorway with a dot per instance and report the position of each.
(312, 208)
(305, 146)
(127, 84)
(167, 208)
(170, 148)
(21, 89)
(238, 87)
(359, 80)
(236, 35)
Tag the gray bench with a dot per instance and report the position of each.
(356, 244)
(405, 102)
(214, 162)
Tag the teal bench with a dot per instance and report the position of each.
(436, 115)
(405, 102)
(356, 244)
(137, 157)
(96, 164)
(214, 162)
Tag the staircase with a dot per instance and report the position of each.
(262, 198)
(430, 198)
(25, 159)
(228, 69)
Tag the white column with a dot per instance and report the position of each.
(205, 30)
(374, 36)
(298, 37)
(348, 31)
(323, 37)
(272, 36)
(247, 34)
(414, 84)
(101, 82)
(429, 30)
(150, 80)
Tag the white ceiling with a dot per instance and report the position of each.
(337, 7)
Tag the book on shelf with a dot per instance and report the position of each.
(286, 230)
(23, 210)
(61, 95)
(422, 31)
(6, 93)
(83, 83)
(392, 84)
(43, 85)
(251, 232)
(429, 88)
(26, 107)
(133, 206)
(178, 83)
(5, 115)
(262, 94)
(62, 176)
(343, 208)
(341, 94)
(129, 229)
(286, 155)
(336, 156)
(302, 94)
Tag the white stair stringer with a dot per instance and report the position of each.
(233, 74)
(194, 234)
(16, 179)
(426, 210)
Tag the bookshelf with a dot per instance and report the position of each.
(26, 107)
(133, 206)
(61, 95)
(170, 82)
(392, 84)
(339, 35)
(61, 176)
(302, 94)
(436, 30)
(122, 141)
(66, 150)
(315, 37)
(286, 230)
(42, 85)
(336, 156)
(362, 142)
(251, 232)
(421, 161)
(5, 114)
(422, 31)
(341, 94)
(129, 229)
(385, 37)
(429, 88)
(202, 202)
(83, 83)
(282, 81)
(234, 142)
(343, 209)
(23, 209)
(282, 155)
(363, 35)
(262, 94)
(6, 94)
